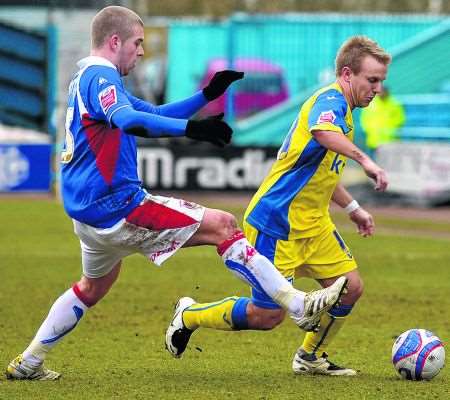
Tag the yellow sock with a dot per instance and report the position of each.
(216, 315)
(330, 325)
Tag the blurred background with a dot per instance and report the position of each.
(287, 50)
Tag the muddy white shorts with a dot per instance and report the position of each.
(157, 228)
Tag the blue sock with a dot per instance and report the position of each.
(239, 314)
(341, 311)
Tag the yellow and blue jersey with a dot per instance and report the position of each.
(293, 200)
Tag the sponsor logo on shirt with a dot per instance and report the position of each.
(326, 116)
(101, 81)
(108, 98)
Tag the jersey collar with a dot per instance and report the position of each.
(94, 60)
(337, 86)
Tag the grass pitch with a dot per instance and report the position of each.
(117, 351)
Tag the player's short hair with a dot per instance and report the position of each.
(353, 51)
(113, 20)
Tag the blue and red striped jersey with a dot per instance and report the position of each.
(100, 185)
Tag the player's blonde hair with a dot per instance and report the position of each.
(354, 49)
(113, 20)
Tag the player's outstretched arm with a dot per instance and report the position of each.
(186, 108)
(339, 143)
(142, 124)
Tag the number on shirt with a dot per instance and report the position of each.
(69, 143)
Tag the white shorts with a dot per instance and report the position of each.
(157, 228)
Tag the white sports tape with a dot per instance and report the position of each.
(352, 206)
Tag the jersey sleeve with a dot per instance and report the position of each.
(141, 105)
(185, 108)
(328, 113)
(106, 93)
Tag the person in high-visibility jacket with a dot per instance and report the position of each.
(381, 120)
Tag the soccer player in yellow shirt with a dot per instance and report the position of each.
(288, 218)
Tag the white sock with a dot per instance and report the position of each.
(256, 270)
(64, 315)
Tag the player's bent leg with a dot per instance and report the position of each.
(247, 264)
(264, 313)
(63, 317)
(318, 303)
(311, 357)
(355, 286)
(230, 314)
(256, 270)
(244, 261)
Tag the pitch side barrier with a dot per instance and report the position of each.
(188, 166)
(419, 171)
(25, 161)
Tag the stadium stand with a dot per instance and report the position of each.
(26, 81)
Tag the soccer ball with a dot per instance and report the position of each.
(418, 354)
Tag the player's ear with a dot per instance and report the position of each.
(114, 42)
(346, 73)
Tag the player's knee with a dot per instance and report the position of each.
(91, 292)
(355, 290)
(272, 321)
(227, 224)
(359, 289)
(264, 319)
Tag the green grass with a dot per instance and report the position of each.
(117, 351)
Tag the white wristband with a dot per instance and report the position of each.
(352, 206)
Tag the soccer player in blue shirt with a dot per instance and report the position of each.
(288, 218)
(114, 216)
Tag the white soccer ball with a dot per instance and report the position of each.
(418, 354)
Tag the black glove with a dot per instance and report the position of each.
(220, 82)
(211, 129)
